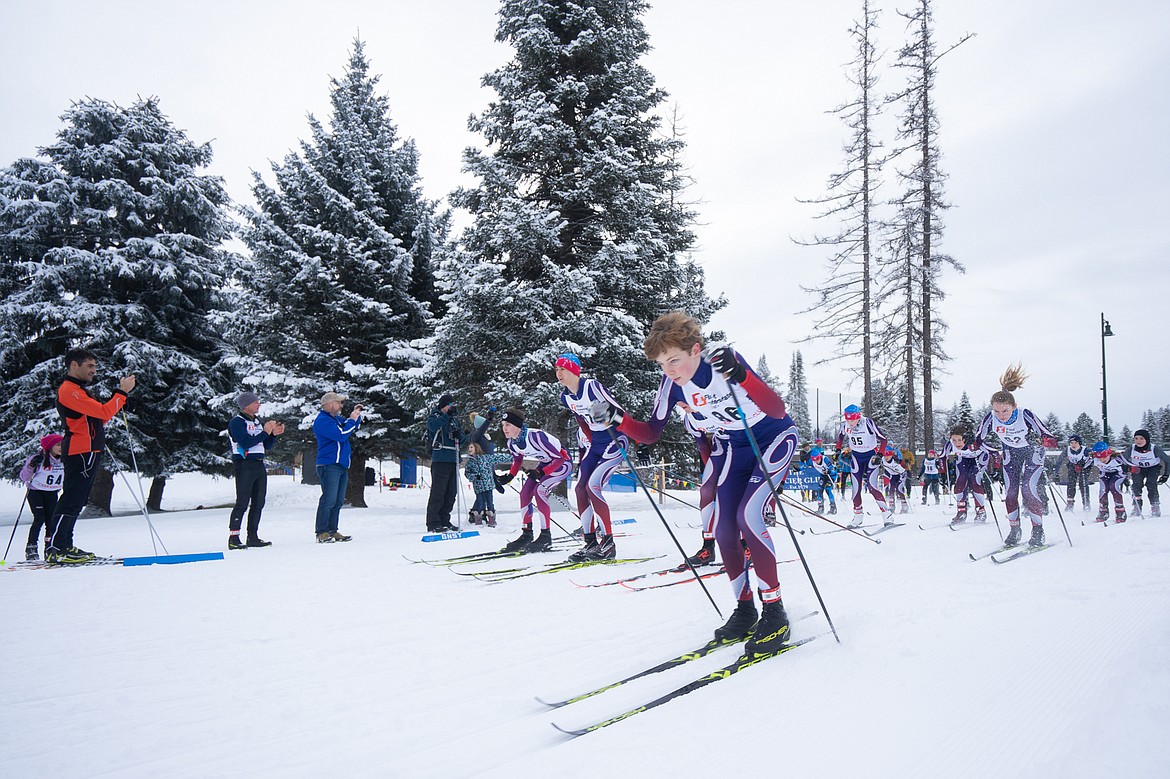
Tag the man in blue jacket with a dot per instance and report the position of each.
(251, 438)
(445, 435)
(333, 432)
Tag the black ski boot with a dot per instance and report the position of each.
(235, 542)
(604, 550)
(960, 516)
(1037, 538)
(739, 625)
(521, 541)
(1103, 515)
(1137, 507)
(771, 631)
(1120, 516)
(832, 509)
(820, 507)
(258, 542)
(30, 552)
(542, 543)
(1013, 536)
(705, 556)
(585, 552)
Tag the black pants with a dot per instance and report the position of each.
(42, 504)
(251, 489)
(80, 471)
(1147, 477)
(444, 482)
(1078, 478)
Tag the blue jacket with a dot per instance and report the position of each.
(333, 438)
(444, 435)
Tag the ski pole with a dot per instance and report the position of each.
(772, 486)
(1059, 513)
(665, 524)
(4, 560)
(991, 505)
(141, 494)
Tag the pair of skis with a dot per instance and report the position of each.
(996, 554)
(740, 664)
(510, 574)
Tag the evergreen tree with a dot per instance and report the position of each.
(797, 398)
(889, 410)
(579, 237)
(1150, 422)
(1163, 425)
(1087, 429)
(114, 241)
(918, 226)
(845, 303)
(965, 416)
(765, 374)
(340, 284)
(1126, 436)
(1053, 423)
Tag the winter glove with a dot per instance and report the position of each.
(1134, 469)
(1048, 442)
(502, 480)
(1162, 479)
(643, 456)
(601, 413)
(536, 474)
(723, 359)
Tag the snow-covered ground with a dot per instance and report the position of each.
(347, 660)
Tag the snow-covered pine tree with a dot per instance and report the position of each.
(1150, 422)
(920, 206)
(1087, 429)
(114, 241)
(1163, 425)
(765, 373)
(341, 245)
(797, 398)
(1053, 423)
(845, 303)
(579, 238)
(1126, 439)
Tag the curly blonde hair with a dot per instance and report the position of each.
(1011, 380)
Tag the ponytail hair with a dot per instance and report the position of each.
(1011, 380)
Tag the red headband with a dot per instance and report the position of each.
(569, 365)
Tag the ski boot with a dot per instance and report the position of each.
(771, 631)
(858, 518)
(1103, 515)
(1068, 504)
(1155, 510)
(1137, 507)
(257, 542)
(30, 552)
(542, 543)
(1013, 536)
(1120, 516)
(1037, 538)
(905, 508)
(521, 541)
(960, 516)
(605, 549)
(980, 514)
(739, 625)
(820, 507)
(235, 542)
(583, 554)
(705, 556)
(490, 518)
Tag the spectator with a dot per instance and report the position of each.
(445, 436)
(333, 451)
(251, 438)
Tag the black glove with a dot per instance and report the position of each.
(724, 360)
(536, 474)
(502, 480)
(643, 456)
(1162, 479)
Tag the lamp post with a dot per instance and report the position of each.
(1106, 331)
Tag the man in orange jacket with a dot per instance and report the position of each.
(84, 418)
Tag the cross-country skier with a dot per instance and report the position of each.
(969, 466)
(42, 474)
(1076, 461)
(84, 419)
(704, 384)
(1150, 467)
(896, 474)
(546, 464)
(824, 466)
(600, 460)
(1112, 467)
(864, 439)
(1023, 462)
(930, 473)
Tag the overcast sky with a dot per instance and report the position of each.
(1054, 132)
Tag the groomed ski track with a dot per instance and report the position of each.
(346, 660)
